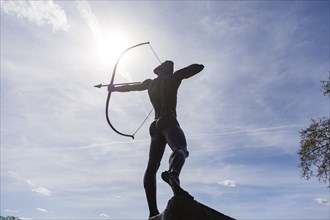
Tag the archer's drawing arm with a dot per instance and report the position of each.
(130, 87)
(188, 71)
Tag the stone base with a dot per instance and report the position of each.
(186, 208)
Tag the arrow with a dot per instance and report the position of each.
(117, 84)
(100, 85)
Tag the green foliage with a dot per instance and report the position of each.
(326, 87)
(9, 218)
(314, 149)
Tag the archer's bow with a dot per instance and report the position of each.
(112, 83)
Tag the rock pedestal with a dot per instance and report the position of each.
(186, 208)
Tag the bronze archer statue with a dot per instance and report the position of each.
(165, 129)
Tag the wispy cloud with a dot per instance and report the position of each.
(42, 210)
(229, 183)
(38, 12)
(249, 131)
(103, 215)
(33, 187)
(322, 201)
(39, 189)
(11, 210)
(93, 23)
(42, 190)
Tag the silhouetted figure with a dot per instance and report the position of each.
(165, 129)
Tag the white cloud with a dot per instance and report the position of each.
(30, 183)
(90, 18)
(41, 190)
(117, 196)
(229, 183)
(38, 189)
(11, 210)
(41, 210)
(103, 215)
(38, 12)
(322, 201)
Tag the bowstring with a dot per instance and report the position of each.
(152, 49)
(155, 53)
(143, 122)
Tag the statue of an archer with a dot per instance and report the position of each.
(165, 129)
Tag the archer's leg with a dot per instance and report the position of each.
(156, 152)
(177, 141)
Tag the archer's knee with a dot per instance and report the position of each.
(179, 153)
(184, 152)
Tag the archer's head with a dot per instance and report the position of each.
(165, 68)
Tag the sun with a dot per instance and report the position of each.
(110, 45)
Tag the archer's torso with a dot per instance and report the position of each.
(163, 96)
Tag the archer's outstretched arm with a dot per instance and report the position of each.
(128, 88)
(189, 71)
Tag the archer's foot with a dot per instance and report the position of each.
(153, 214)
(155, 217)
(173, 181)
(170, 179)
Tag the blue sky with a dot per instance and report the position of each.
(264, 61)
